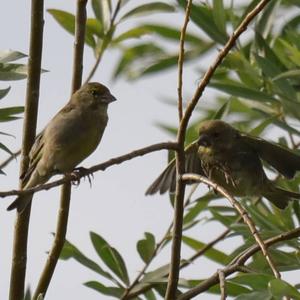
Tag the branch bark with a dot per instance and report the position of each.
(99, 167)
(243, 214)
(63, 215)
(19, 256)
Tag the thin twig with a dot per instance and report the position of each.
(105, 41)
(180, 169)
(19, 256)
(181, 57)
(222, 284)
(237, 263)
(242, 212)
(63, 215)
(99, 167)
(180, 158)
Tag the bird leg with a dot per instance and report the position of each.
(79, 172)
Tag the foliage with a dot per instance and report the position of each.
(10, 71)
(257, 88)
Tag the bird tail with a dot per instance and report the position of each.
(280, 197)
(20, 203)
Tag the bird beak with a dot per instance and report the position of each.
(108, 98)
(204, 140)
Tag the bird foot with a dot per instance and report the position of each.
(79, 172)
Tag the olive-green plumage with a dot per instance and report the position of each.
(234, 161)
(71, 136)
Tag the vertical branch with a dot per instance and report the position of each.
(222, 284)
(19, 256)
(181, 57)
(180, 185)
(62, 222)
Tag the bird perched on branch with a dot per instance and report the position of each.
(233, 160)
(71, 136)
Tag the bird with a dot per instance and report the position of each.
(70, 136)
(234, 160)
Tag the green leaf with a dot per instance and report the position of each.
(254, 281)
(135, 54)
(222, 111)
(196, 209)
(149, 295)
(70, 251)
(109, 291)
(219, 15)
(146, 247)
(279, 288)
(149, 8)
(96, 9)
(93, 26)
(4, 148)
(202, 16)
(110, 256)
(288, 75)
(164, 31)
(13, 72)
(212, 253)
(157, 275)
(256, 131)
(105, 12)
(11, 111)
(67, 21)
(4, 92)
(241, 91)
(267, 18)
(271, 70)
(261, 295)
(9, 55)
(232, 289)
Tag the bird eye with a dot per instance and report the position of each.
(216, 134)
(95, 93)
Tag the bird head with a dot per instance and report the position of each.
(94, 93)
(216, 136)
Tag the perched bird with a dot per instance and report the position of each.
(233, 160)
(71, 136)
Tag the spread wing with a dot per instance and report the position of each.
(282, 159)
(166, 181)
(34, 157)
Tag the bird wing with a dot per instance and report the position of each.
(34, 157)
(167, 179)
(282, 159)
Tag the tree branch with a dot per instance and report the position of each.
(99, 167)
(180, 158)
(236, 264)
(19, 256)
(63, 215)
(242, 212)
(180, 169)
(181, 57)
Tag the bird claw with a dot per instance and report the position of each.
(79, 172)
